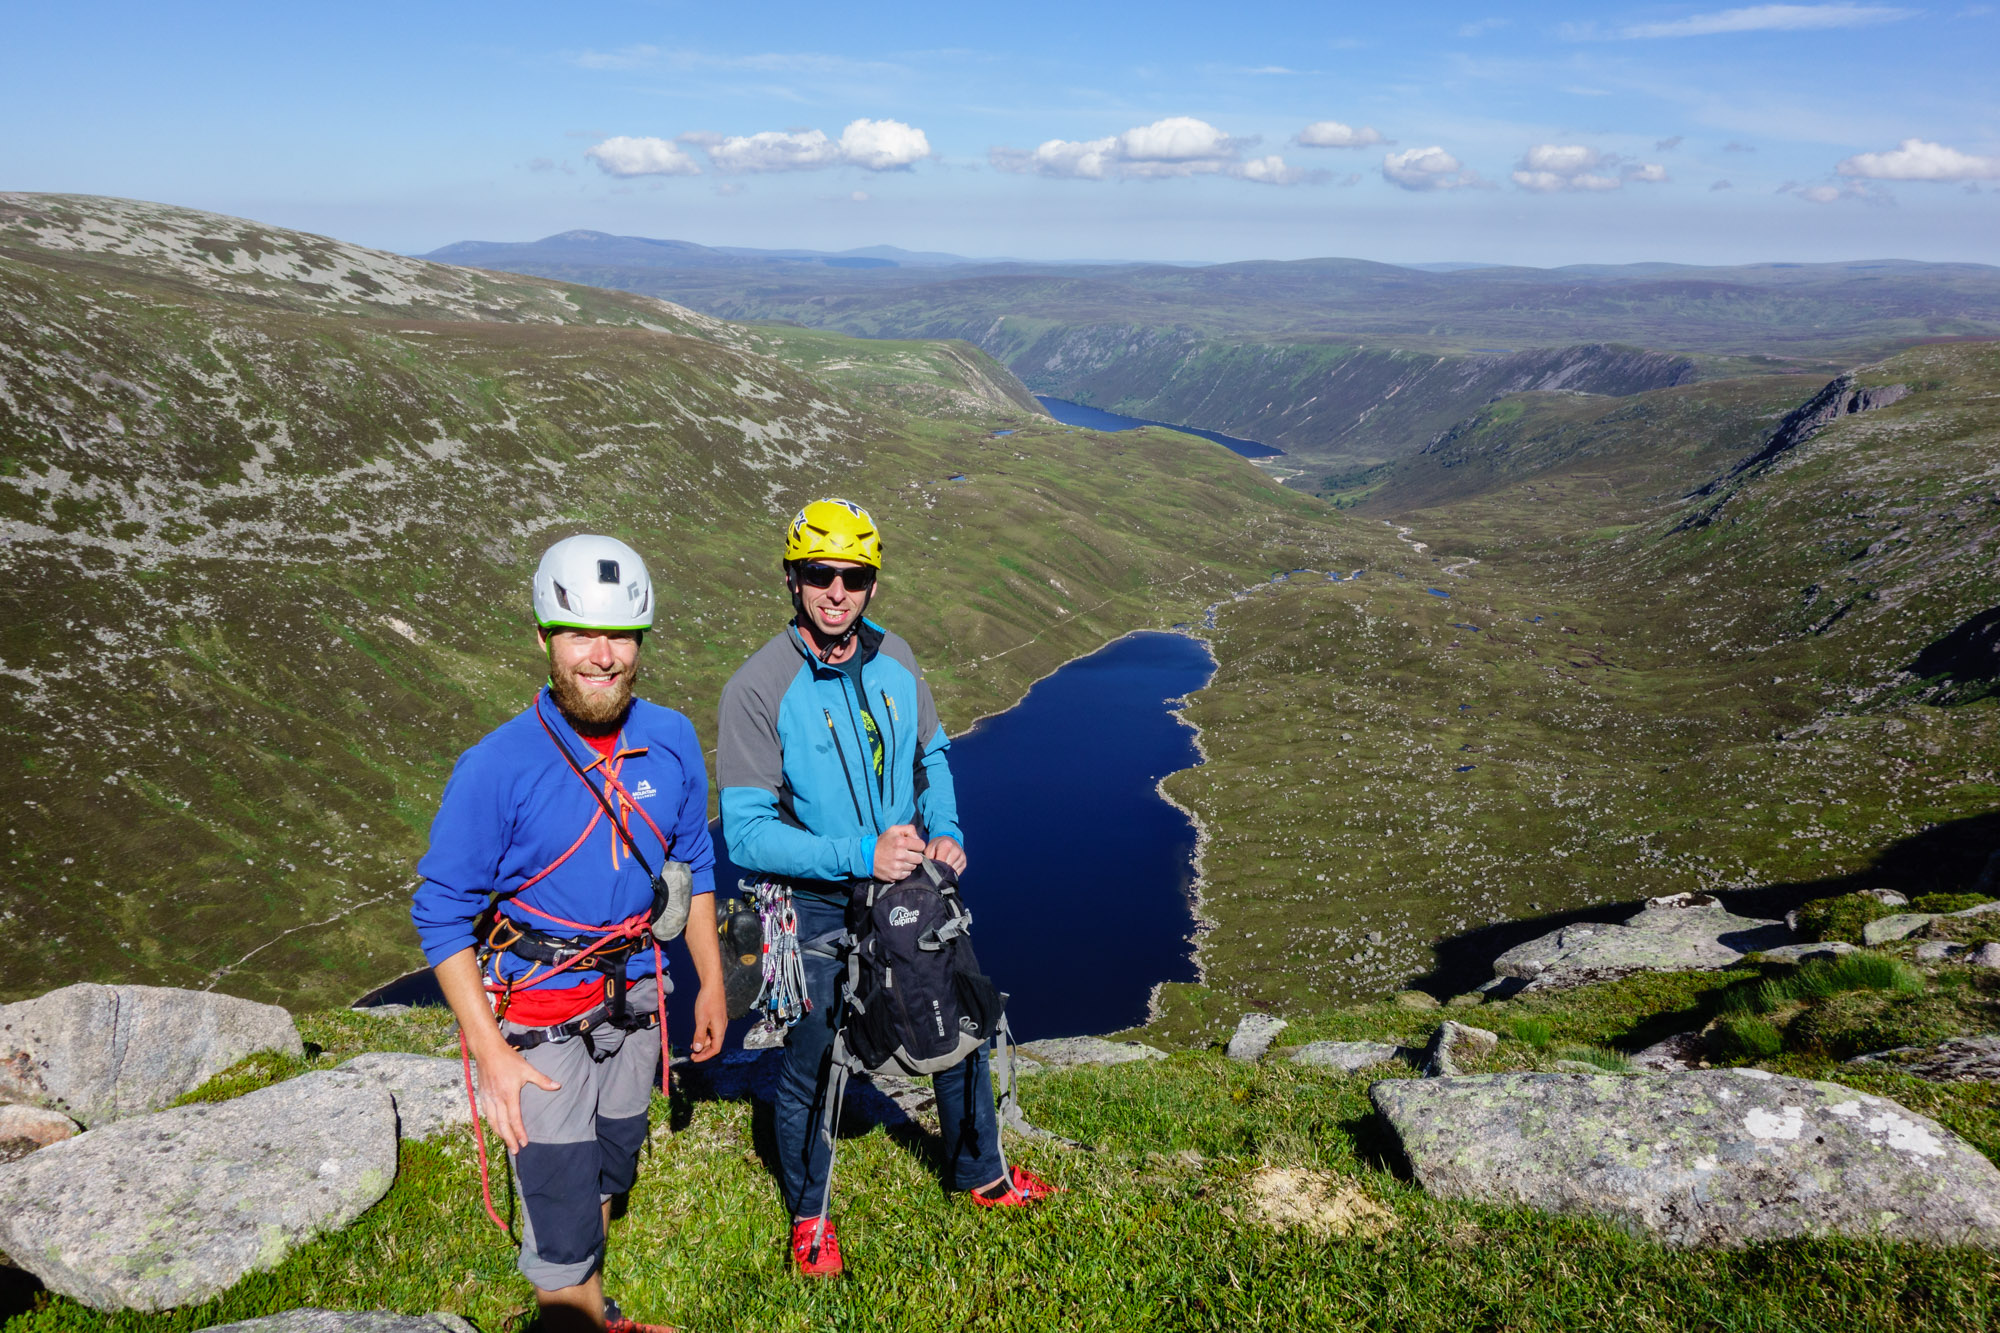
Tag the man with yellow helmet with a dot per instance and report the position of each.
(831, 761)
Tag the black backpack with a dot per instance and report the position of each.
(915, 997)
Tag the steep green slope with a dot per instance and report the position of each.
(267, 555)
(1614, 700)
(1665, 438)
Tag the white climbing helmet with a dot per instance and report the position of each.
(593, 582)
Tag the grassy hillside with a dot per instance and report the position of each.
(269, 534)
(1608, 702)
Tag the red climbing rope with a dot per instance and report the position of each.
(633, 928)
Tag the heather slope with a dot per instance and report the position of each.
(1599, 678)
(267, 554)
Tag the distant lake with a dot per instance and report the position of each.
(1091, 418)
(1079, 871)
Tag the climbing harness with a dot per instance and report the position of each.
(604, 949)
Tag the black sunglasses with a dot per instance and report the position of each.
(858, 579)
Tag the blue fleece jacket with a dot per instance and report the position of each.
(514, 806)
(801, 798)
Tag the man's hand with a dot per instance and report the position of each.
(711, 1006)
(502, 1073)
(947, 851)
(898, 853)
(711, 1017)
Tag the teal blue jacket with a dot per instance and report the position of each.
(801, 798)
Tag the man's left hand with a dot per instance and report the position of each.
(947, 851)
(711, 1017)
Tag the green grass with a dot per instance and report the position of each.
(1157, 1229)
(1841, 918)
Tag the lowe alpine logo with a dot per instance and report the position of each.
(643, 790)
(902, 916)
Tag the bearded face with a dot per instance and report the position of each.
(591, 674)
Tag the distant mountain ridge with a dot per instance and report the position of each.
(1343, 363)
(598, 247)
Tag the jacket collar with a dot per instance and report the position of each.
(868, 641)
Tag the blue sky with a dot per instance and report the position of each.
(1701, 133)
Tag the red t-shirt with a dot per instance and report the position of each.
(541, 1007)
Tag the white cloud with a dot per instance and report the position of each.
(1176, 139)
(883, 145)
(1919, 160)
(1830, 194)
(1175, 146)
(624, 155)
(625, 57)
(1426, 169)
(1577, 168)
(1333, 134)
(1272, 170)
(874, 145)
(1480, 27)
(1721, 185)
(774, 150)
(1770, 18)
(1666, 145)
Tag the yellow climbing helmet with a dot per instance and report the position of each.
(834, 530)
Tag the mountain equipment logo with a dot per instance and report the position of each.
(903, 916)
(643, 790)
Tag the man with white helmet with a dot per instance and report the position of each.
(565, 842)
(831, 760)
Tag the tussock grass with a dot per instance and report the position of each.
(1610, 1061)
(1822, 979)
(1532, 1032)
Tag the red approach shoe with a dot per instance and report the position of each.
(616, 1322)
(1023, 1187)
(827, 1262)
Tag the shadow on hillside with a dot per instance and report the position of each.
(1945, 858)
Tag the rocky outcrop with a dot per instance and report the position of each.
(1683, 1050)
(1699, 1158)
(23, 1129)
(167, 1209)
(429, 1091)
(1253, 1036)
(1684, 932)
(1986, 954)
(96, 1053)
(349, 1321)
(1452, 1045)
(1840, 398)
(1889, 929)
(1346, 1056)
(1069, 1052)
(1956, 1060)
(1823, 951)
